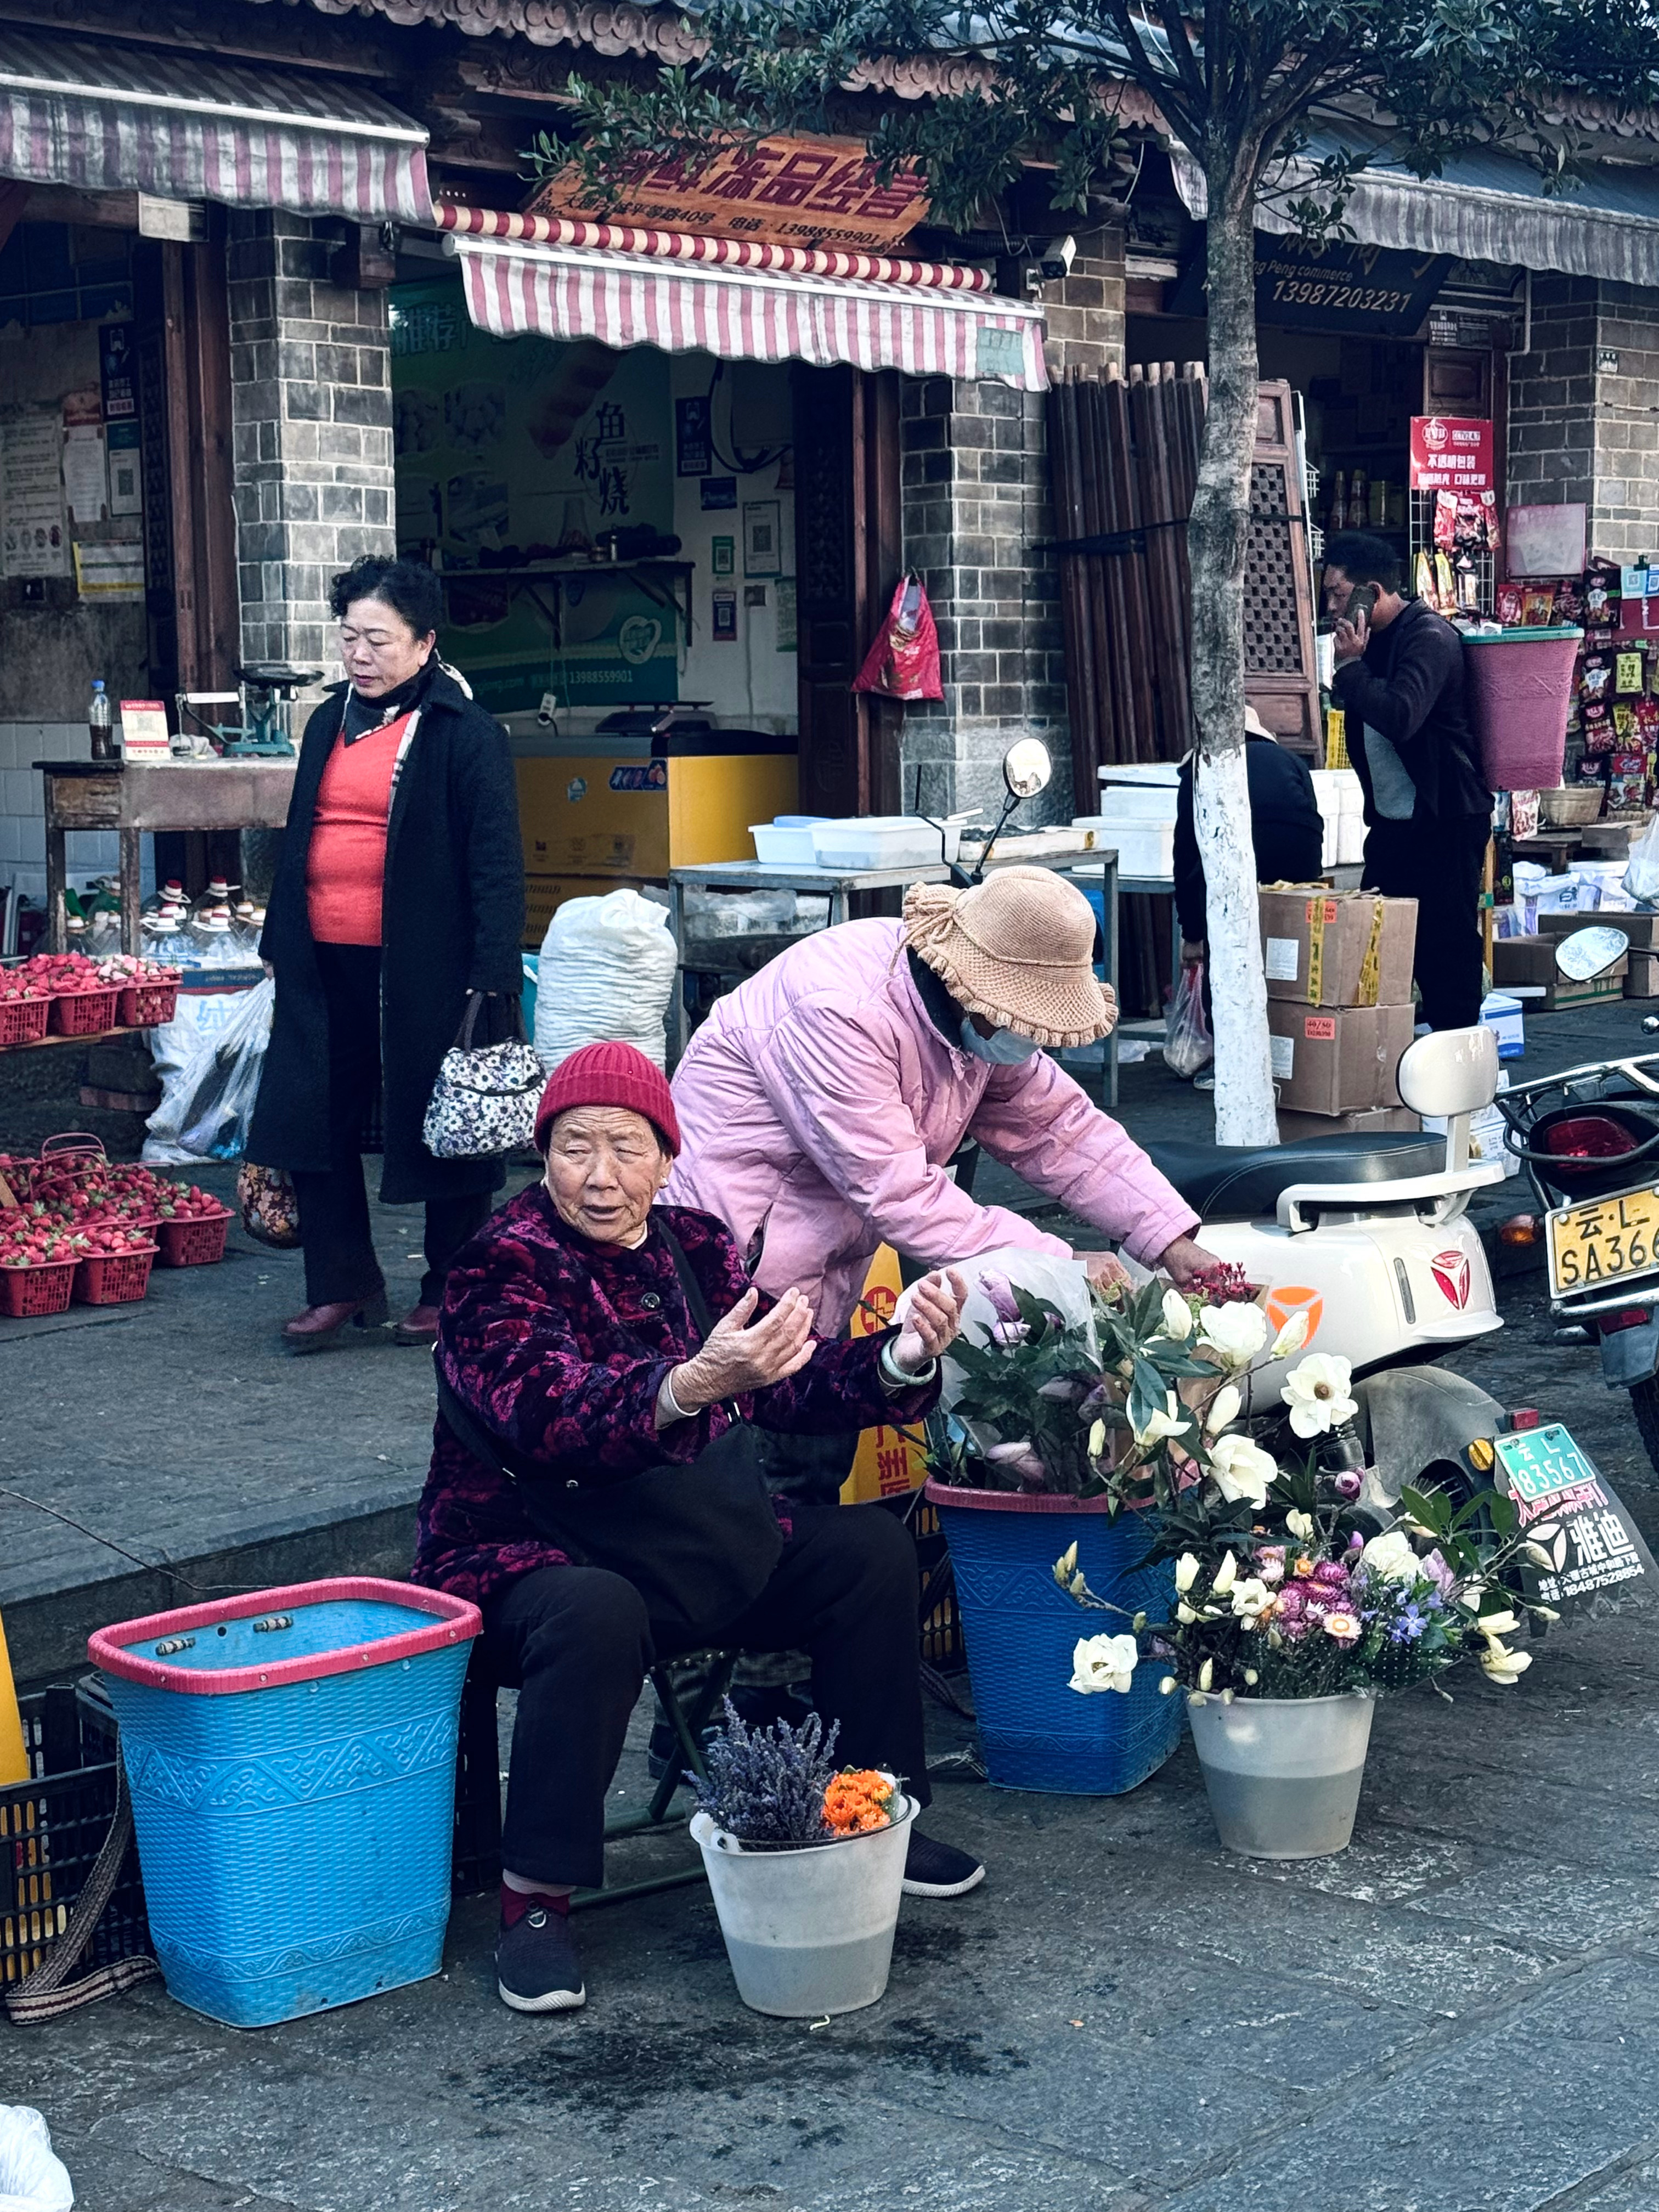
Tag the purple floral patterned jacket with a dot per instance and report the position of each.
(559, 1345)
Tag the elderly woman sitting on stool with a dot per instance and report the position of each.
(569, 1337)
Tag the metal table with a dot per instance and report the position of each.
(131, 797)
(839, 884)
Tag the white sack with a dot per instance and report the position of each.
(607, 972)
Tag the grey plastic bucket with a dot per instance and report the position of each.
(1283, 1774)
(809, 1932)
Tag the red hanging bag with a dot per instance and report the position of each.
(903, 662)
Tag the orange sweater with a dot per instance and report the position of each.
(345, 868)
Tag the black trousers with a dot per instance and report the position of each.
(1439, 863)
(577, 1645)
(334, 1224)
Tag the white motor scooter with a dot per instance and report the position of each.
(1368, 1235)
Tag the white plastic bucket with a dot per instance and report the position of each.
(1283, 1774)
(809, 1932)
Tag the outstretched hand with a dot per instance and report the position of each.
(932, 1320)
(740, 1355)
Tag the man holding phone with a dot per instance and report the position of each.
(1428, 805)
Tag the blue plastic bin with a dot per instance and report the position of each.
(1019, 1627)
(291, 1757)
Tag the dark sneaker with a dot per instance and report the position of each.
(536, 1969)
(936, 1869)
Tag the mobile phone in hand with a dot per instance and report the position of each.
(1361, 600)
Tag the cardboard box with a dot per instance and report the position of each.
(1642, 929)
(1562, 993)
(1642, 980)
(1337, 1062)
(1373, 1121)
(1338, 948)
(1524, 960)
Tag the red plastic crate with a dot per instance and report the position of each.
(147, 1006)
(26, 1291)
(114, 1279)
(193, 1243)
(83, 1013)
(23, 1021)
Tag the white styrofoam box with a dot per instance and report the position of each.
(1342, 785)
(1141, 772)
(1502, 1015)
(1138, 802)
(1350, 842)
(882, 841)
(777, 847)
(1144, 849)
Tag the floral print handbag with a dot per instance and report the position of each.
(485, 1098)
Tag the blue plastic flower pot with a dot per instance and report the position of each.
(1035, 1731)
(291, 1757)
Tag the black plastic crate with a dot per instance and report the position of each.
(51, 1830)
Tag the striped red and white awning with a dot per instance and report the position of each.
(659, 298)
(113, 119)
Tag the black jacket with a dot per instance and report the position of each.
(1284, 828)
(452, 920)
(1409, 685)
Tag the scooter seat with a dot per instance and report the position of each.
(1228, 1182)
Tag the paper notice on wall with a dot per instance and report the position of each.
(110, 572)
(86, 478)
(34, 541)
(127, 486)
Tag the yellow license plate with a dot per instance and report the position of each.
(1602, 1242)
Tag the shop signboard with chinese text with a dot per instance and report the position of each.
(1451, 452)
(1569, 1509)
(1303, 285)
(783, 191)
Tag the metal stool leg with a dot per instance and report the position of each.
(658, 1815)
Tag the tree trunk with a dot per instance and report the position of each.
(1217, 537)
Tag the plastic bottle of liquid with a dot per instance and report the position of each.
(100, 723)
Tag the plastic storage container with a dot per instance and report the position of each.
(885, 840)
(1036, 1732)
(788, 842)
(291, 1757)
(1519, 685)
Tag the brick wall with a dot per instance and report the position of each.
(1086, 313)
(976, 496)
(1581, 431)
(311, 411)
(1551, 396)
(1626, 513)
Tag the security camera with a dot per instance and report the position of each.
(1056, 259)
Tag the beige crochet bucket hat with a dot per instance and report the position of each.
(1018, 949)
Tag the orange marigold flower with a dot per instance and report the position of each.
(857, 1800)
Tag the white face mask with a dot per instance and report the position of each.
(1002, 1048)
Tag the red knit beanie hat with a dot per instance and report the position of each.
(610, 1075)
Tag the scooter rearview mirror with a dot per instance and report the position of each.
(1027, 768)
(1590, 952)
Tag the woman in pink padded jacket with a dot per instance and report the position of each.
(821, 1101)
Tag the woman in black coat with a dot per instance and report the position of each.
(398, 893)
